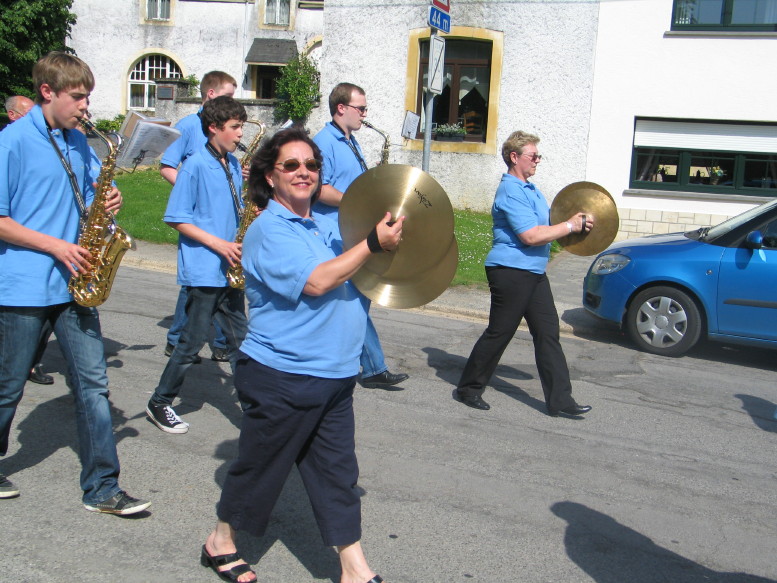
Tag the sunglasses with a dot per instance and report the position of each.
(292, 164)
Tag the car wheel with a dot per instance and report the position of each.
(663, 320)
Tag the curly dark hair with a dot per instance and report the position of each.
(219, 111)
(266, 157)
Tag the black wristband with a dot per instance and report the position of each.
(373, 242)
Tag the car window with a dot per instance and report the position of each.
(769, 233)
(734, 222)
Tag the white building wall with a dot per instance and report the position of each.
(641, 71)
(201, 36)
(546, 85)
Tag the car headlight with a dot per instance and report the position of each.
(609, 263)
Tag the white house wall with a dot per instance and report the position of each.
(546, 85)
(110, 35)
(641, 71)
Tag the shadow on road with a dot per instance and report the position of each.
(760, 410)
(610, 552)
(448, 367)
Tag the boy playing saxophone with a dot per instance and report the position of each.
(46, 186)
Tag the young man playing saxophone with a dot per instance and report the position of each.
(46, 184)
(343, 163)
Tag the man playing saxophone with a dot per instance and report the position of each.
(46, 186)
(343, 163)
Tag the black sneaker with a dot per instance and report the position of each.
(7, 488)
(219, 355)
(169, 352)
(122, 504)
(166, 419)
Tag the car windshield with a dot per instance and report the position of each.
(728, 225)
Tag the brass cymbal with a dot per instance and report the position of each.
(588, 198)
(413, 291)
(408, 276)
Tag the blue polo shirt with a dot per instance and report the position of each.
(341, 166)
(202, 197)
(192, 139)
(35, 192)
(518, 206)
(287, 330)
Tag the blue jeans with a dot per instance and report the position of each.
(78, 333)
(179, 320)
(372, 360)
(227, 304)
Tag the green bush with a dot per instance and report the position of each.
(297, 90)
(107, 126)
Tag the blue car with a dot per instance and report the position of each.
(669, 291)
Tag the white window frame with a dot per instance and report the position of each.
(155, 10)
(144, 73)
(268, 8)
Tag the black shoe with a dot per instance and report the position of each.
(121, 504)
(573, 410)
(383, 380)
(38, 376)
(165, 417)
(169, 351)
(474, 401)
(219, 355)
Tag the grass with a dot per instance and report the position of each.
(145, 199)
(145, 195)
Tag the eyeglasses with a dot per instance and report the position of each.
(292, 164)
(361, 108)
(534, 157)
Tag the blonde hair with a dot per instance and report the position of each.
(61, 71)
(515, 143)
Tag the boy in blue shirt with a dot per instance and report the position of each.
(204, 208)
(214, 84)
(46, 183)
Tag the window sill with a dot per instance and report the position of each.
(720, 34)
(460, 147)
(707, 196)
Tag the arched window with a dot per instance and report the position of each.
(142, 86)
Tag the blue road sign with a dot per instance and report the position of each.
(439, 19)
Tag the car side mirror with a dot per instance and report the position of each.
(754, 240)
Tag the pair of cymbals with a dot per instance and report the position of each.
(424, 263)
(590, 199)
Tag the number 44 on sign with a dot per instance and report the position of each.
(438, 18)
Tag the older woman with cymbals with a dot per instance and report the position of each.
(298, 364)
(515, 268)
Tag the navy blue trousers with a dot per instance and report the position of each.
(287, 419)
(518, 294)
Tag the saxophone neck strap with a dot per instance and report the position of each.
(222, 160)
(349, 141)
(77, 194)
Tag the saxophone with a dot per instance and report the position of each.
(384, 153)
(100, 235)
(235, 275)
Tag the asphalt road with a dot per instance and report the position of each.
(670, 478)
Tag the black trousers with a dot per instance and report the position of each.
(518, 294)
(287, 419)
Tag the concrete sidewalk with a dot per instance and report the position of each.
(566, 272)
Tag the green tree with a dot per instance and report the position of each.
(28, 30)
(297, 90)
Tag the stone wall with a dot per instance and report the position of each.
(641, 222)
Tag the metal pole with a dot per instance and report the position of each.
(428, 111)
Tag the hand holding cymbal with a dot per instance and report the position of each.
(588, 205)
